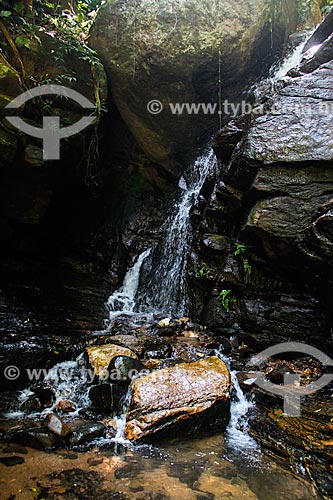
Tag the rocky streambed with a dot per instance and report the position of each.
(116, 411)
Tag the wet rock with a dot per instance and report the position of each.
(44, 393)
(65, 406)
(220, 344)
(106, 397)
(15, 448)
(305, 97)
(56, 425)
(164, 322)
(183, 394)
(124, 368)
(31, 405)
(323, 55)
(11, 461)
(276, 375)
(161, 351)
(85, 432)
(227, 139)
(322, 32)
(101, 356)
(215, 244)
(36, 437)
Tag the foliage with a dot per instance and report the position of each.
(247, 266)
(304, 7)
(23, 23)
(227, 299)
(205, 272)
(240, 249)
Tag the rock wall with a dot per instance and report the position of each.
(262, 270)
(171, 51)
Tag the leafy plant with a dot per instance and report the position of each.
(205, 272)
(247, 266)
(240, 249)
(227, 299)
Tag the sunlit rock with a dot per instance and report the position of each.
(195, 394)
(101, 356)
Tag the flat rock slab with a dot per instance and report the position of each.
(178, 394)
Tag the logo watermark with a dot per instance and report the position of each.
(291, 391)
(232, 109)
(51, 133)
(72, 374)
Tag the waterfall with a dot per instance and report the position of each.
(122, 301)
(166, 291)
(293, 60)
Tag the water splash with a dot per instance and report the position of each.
(122, 301)
(69, 382)
(238, 437)
(121, 421)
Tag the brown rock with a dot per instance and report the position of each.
(56, 425)
(173, 395)
(100, 356)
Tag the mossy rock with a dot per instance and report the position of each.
(170, 51)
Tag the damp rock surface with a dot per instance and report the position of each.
(178, 394)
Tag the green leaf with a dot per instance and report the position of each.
(18, 7)
(23, 41)
(5, 13)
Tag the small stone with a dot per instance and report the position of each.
(100, 357)
(31, 405)
(33, 155)
(15, 448)
(65, 406)
(164, 322)
(85, 432)
(124, 369)
(184, 320)
(278, 372)
(190, 334)
(56, 425)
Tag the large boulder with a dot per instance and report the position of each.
(171, 51)
(188, 393)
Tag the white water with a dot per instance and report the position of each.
(122, 301)
(237, 435)
(166, 290)
(290, 62)
(121, 422)
(69, 381)
(294, 59)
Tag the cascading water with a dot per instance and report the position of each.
(290, 62)
(122, 301)
(166, 290)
